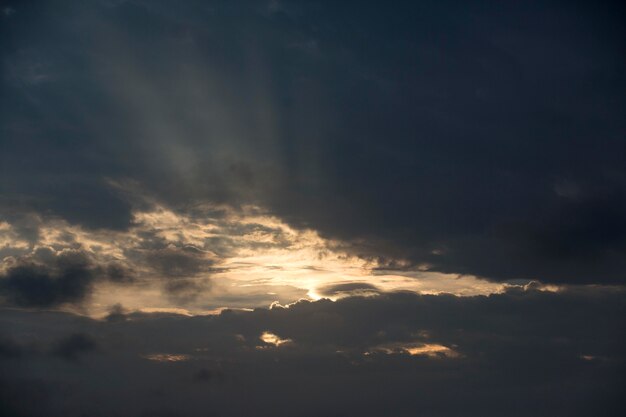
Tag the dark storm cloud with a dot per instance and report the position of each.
(525, 352)
(46, 278)
(68, 280)
(478, 137)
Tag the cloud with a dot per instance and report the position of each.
(68, 280)
(177, 262)
(498, 355)
(9, 349)
(208, 375)
(74, 345)
(354, 288)
(160, 164)
(430, 134)
(169, 260)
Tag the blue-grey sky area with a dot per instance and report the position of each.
(349, 208)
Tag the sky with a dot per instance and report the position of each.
(312, 208)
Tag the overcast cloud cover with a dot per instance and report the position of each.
(522, 353)
(161, 160)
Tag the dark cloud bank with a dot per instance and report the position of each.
(478, 137)
(521, 353)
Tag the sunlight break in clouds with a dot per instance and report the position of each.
(431, 350)
(216, 258)
(272, 339)
(167, 357)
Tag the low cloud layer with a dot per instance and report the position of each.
(515, 354)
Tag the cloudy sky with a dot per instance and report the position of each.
(312, 208)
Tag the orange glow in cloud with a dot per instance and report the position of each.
(272, 339)
(239, 259)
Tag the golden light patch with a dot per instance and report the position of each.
(167, 357)
(432, 350)
(273, 339)
(171, 310)
(9, 238)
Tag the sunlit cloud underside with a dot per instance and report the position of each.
(218, 258)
